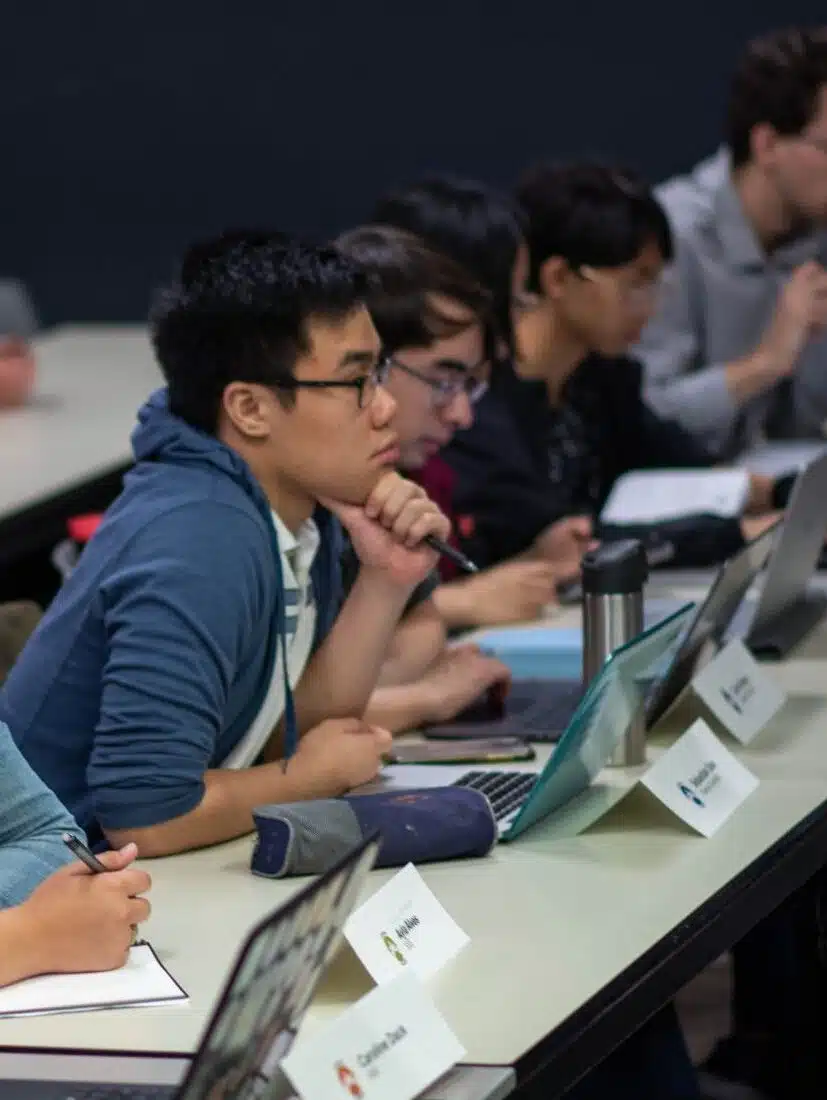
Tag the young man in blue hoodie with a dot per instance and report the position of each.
(156, 697)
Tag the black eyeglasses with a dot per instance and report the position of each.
(444, 390)
(365, 385)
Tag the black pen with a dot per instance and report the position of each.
(448, 551)
(84, 854)
(90, 860)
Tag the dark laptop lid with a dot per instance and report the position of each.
(271, 986)
(711, 620)
(798, 547)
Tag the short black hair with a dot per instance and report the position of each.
(239, 311)
(405, 276)
(777, 82)
(590, 213)
(474, 224)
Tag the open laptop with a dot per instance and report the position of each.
(709, 625)
(522, 797)
(535, 712)
(251, 1029)
(787, 607)
(533, 709)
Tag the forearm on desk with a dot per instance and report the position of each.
(401, 707)
(20, 951)
(224, 812)
(455, 603)
(343, 673)
(418, 641)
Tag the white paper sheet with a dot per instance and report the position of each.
(655, 496)
(141, 981)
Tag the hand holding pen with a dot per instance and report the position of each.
(79, 920)
(109, 863)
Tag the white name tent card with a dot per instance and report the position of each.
(391, 1045)
(738, 692)
(699, 780)
(403, 926)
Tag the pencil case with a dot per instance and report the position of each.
(416, 826)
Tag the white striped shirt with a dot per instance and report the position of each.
(298, 553)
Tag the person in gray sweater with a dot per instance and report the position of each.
(737, 350)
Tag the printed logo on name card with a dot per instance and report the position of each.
(394, 949)
(700, 785)
(403, 927)
(687, 792)
(700, 780)
(348, 1080)
(738, 692)
(739, 695)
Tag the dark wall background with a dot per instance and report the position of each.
(130, 128)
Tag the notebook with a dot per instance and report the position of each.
(657, 496)
(142, 981)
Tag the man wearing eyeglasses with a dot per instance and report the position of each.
(737, 350)
(567, 419)
(433, 320)
(199, 661)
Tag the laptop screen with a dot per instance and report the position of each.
(274, 980)
(709, 624)
(600, 720)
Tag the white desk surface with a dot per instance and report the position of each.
(91, 381)
(551, 921)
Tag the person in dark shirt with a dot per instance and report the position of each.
(557, 429)
(432, 318)
(482, 232)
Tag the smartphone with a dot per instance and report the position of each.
(481, 750)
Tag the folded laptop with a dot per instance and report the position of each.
(521, 797)
(787, 607)
(252, 1028)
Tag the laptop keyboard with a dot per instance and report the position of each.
(506, 791)
(546, 718)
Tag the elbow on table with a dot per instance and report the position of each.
(151, 841)
(203, 818)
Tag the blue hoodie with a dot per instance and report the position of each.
(157, 653)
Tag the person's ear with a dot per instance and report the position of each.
(552, 275)
(249, 409)
(763, 140)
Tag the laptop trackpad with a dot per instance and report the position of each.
(407, 777)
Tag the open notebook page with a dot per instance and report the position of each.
(143, 980)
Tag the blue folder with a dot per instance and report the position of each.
(537, 652)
